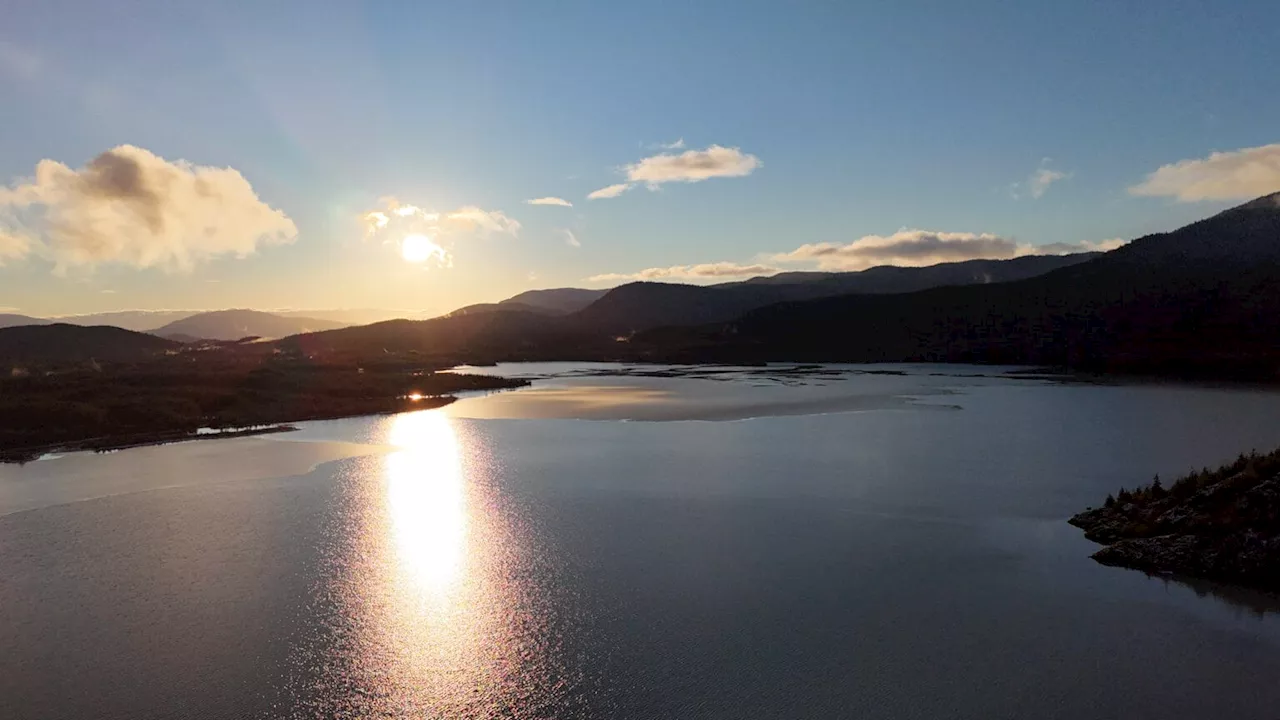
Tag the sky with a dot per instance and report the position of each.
(423, 156)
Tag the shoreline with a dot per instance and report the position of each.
(1221, 525)
(104, 444)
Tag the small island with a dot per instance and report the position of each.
(1221, 524)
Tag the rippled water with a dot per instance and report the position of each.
(903, 554)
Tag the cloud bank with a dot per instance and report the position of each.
(918, 248)
(689, 272)
(13, 247)
(131, 207)
(1238, 175)
(549, 201)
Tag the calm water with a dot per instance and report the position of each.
(771, 546)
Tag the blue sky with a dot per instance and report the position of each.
(852, 119)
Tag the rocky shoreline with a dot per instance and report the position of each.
(1219, 524)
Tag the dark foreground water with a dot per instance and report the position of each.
(905, 557)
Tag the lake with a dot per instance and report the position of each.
(640, 542)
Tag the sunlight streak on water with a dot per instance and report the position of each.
(425, 500)
(436, 605)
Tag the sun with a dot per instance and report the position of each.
(419, 248)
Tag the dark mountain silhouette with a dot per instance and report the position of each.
(1201, 300)
(13, 320)
(61, 343)
(236, 324)
(503, 306)
(556, 300)
(452, 339)
(645, 305)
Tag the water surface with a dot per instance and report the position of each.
(749, 544)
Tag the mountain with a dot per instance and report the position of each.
(556, 300)
(137, 320)
(236, 324)
(452, 339)
(645, 305)
(345, 317)
(504, 306)
(1201, 300)
(12, 320)
(61, 343)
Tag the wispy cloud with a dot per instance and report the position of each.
(918, 248)
(705, 271)
(131, 207)
(612, 191)
(1041, 180)
(1236, 175)
(1038, 182)
(677, 145)
(472, 218)
(549, 201)
(570, 239)
(690, 166)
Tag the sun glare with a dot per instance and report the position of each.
(419, 248)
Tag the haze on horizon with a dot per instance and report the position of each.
(427, 156)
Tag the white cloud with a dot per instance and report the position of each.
(689, 272)
(689, 166)
(13, 246)
(1236, 175)
(549, 201)
(692, 166)
(918, 248)
(612, 191)
(131, 207)
(677, 145)
(570, 239)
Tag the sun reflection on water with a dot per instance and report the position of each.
(436, 604)
(426, 499)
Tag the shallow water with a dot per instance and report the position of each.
(850, 545)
